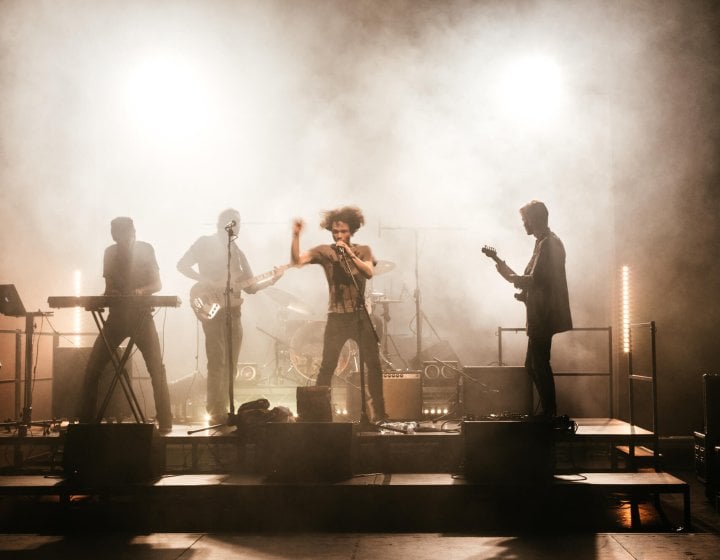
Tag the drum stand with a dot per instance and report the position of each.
(280, 372)
(385, 360)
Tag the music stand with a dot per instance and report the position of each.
(12, 306)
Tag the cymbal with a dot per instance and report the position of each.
(384, 266)
(379, 297)
(287, 300)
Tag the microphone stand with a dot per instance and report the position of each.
(228, 325)
(460, 409)
(228, 329)
(359, 305)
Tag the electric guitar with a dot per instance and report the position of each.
(504, 270)
(208, 299)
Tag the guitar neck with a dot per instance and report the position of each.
(255, 279)
(493, 255)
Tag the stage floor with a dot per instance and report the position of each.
(355, 546)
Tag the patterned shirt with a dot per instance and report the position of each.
(342, 291)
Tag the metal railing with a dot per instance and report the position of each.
(608, 374)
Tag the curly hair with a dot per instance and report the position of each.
(351, 215)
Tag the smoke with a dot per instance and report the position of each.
(285, 109)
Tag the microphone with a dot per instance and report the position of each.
(340, 250)
(231, 224)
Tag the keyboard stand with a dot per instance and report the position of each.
(121, 375)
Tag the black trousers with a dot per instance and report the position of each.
(537, 365)
(339, 328)
(121, 324)
(216, 349)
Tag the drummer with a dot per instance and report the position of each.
(347, 267)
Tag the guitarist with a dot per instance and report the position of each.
(210, 254)
(545, 293)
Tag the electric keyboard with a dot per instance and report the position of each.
(101, 302)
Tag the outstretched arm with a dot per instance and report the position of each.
(297, 258)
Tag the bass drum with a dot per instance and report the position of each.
(306, 347)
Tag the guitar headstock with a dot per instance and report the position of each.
(489, 251)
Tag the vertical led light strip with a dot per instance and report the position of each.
(77, 311)
(625, 281)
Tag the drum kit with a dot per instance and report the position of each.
(298, 354)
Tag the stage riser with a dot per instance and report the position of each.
(368, 454)
(432, 454)
(393, 454)
(358, 508)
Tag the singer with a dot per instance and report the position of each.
(347, 267)
(210, 254)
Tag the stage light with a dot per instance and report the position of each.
(625, 307)
(167, 97)
(531, 88)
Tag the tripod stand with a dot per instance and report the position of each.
(281, 349)
(419, 314)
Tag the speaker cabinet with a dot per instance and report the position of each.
(307, 451)
(440, 374)
(313, 404)
(711, 400)
(434, 373)
(101, 454)
(496, 391)
(68, 374)
(509, 452)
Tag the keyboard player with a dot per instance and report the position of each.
(129, 269)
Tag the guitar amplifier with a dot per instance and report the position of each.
(403, 395)
(403, 392)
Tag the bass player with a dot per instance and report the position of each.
(211, 253)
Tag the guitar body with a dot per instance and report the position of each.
(208, 299)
